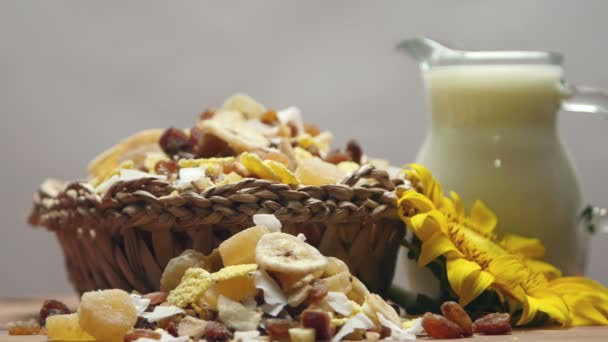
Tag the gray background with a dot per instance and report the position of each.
(77, 76)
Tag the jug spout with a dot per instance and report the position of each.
(423, 50)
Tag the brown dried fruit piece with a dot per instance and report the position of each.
(52, 307)
(318, 320)
(141, 333)
(493, 324)
(438, 326)
(354, 150)
(455, 313)
(216, 332)
(278, 328)
(143, 323)
(318, 291)
(23, 330)
(174, 141)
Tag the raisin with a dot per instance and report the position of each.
(455, 313)
(174, 141)
(311, 129)
(278, 328)
(354, 150)
(207, 145)
(172, 328)
(166, 167)
(318, 291)
(141, 333)
(143, 323)
(438, 326)
(318, 320)
(336, 157)
(270, 117)
(156, 297)
(52, 307)
(293, 129)
(216, 332)
(493, 324)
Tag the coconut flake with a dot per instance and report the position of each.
(301, 237)
(188, 175)
(131, 174)
(397, 332)
(161, 312)
(291, 115)
(140, 303)
(249, 302)
(107, 184)
(274, 298)
(269, 221)
(416, 327)
(340, 303)
(359, 321)
(245, 336)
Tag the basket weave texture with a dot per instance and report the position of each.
(125, 238)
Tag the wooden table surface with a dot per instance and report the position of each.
(19, 309)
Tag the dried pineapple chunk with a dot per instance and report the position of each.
(240, 248)
(314, 171)
(107, 315)
(66, 328)
(237, 289)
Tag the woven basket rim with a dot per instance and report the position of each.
(151, 203)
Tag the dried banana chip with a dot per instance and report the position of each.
(232, 128)
(245, 104)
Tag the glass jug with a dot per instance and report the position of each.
(493, 137)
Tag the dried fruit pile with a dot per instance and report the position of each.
(260, 284)
(241, 139)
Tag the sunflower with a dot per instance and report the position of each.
(476, 260)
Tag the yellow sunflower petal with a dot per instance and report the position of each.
(549, 271)
(438, 244)
(458, 205)
(586, 299)
(483, 219)
(413, 199)
(426, 224)
(587, 309)
(474, 285)
(526, 247)
(458, 269)
(509, 269)
(547, 301)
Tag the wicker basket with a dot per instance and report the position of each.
(125, 238)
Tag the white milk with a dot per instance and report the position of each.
(493, 137)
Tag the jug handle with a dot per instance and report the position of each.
(595, 219)
(585, 99)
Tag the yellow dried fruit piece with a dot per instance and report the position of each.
(230, 178)
(107, 315)
(315, 171)
(234, 271)
(237, 289)
(339, 282)
(254, 164)
(282, 172)
(132, 148)
(66, 328)
(173, 273)
(348, 166)
(194, 283)
(301, 154)
(240, 248)
(204, 161)
(244, 104)
(335, 266)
